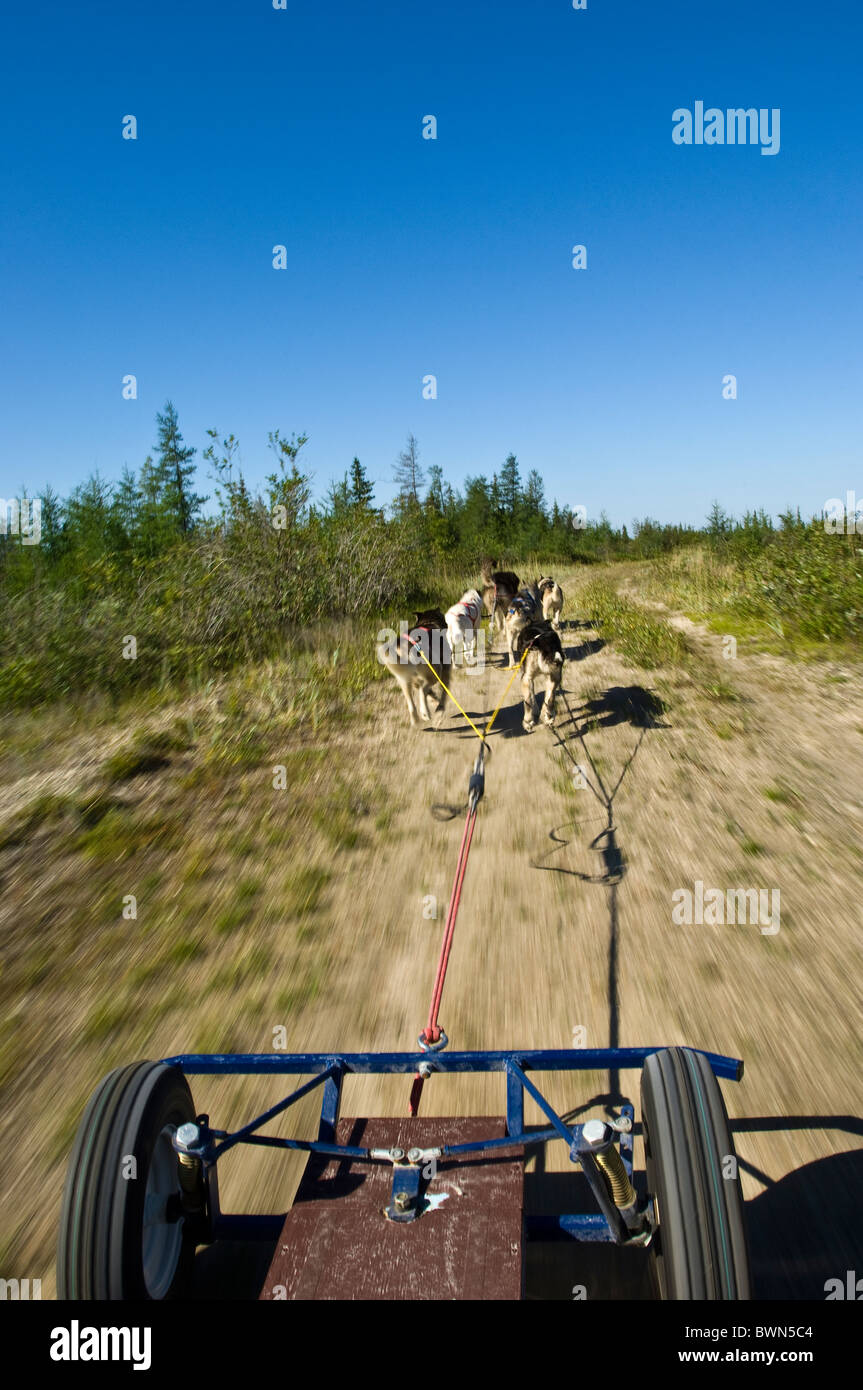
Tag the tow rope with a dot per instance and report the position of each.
(433, 1038)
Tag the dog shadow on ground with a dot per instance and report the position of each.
(583, 649)
(622, 704)
(642, 710)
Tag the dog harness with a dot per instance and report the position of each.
(526, 604)
(467, 610)
(414, 643)
(410, 637)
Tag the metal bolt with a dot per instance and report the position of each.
(402, 1201)
(424, 1069)
(414, 1155)
(593, 1133)
(397, 1155)
(188, 1135)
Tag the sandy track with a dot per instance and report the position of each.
(576, 932)
(556, 936)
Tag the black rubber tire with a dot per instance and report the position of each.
(699, 1250)
(101, 1247)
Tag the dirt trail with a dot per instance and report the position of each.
(564, 926)
(557, 936)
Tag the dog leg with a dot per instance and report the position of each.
(548, 710)
(411, 711)
(528, 694)
(423, 704)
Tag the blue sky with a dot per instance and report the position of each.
(453, 257)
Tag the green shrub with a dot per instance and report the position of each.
(643, 639)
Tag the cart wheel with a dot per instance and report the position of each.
(120, 1236)
(700, 1245)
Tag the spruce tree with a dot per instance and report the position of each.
(176, 471)
(361, 490)
(510, 487)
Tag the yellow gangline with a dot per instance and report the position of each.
(482, 737)
(506, 692)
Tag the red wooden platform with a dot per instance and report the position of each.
(336, 1242)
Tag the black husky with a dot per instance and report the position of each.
(543, 663)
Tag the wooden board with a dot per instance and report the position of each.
(337, 1244)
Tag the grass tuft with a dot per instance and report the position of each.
(639, 636)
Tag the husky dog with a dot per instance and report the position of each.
(552, 600)
(404, 660)
(525, 608)
(499, 588)
(543, 663)
(462, 622)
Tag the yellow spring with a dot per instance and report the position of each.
(611, 1166)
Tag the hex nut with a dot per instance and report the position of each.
(594, 1133)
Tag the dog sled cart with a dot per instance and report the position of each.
(404, 1208)
(407, 1208)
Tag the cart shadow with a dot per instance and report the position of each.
(233, 1270)
(805, 1228)
(567, 1269)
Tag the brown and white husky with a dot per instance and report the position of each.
(403, 657)
(499, 588)
(552, 600)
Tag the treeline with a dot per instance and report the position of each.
(201, 589)
(504, 515)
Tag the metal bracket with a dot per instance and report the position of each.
(413, 1155)
(476, 785)
(623, 1124)
(405, 1201)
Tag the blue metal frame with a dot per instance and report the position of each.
(328, 1071)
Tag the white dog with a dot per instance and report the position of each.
(462, 623)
